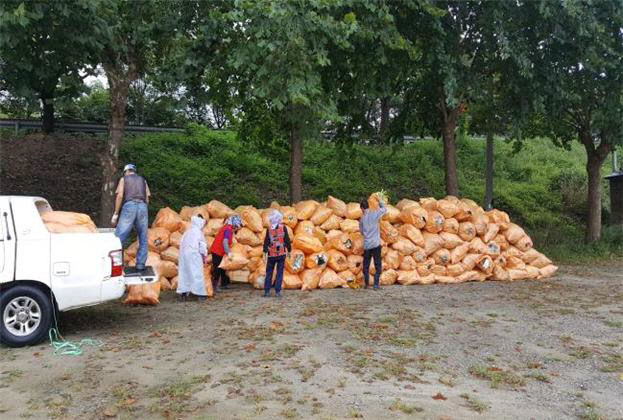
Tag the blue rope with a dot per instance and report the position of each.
(63, 347)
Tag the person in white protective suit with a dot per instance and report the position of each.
(192, 257)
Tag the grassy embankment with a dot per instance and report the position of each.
(542, 187)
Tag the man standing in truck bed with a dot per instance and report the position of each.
(132, 199)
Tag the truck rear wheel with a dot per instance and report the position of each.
(25, 316)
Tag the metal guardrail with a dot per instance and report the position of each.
(84, 127)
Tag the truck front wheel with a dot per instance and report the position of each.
(25, 316)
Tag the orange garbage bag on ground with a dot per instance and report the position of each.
(305, 209)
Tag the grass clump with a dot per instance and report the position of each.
(497, 376)
(399, 405)
(475, 404)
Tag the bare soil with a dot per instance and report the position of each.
(59, 167)
(542, 350)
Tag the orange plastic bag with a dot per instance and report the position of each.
(321, 215)
(524, 244)
(292, 281)
(470, 261)
(145, 294)
(235, 262)
(414, 215)
(389, 277)
(392, 215)
(492, 231)
(307, 243)
(477, 246)
(450, 240)
(480, 222)
(311, 278)
(412, 233)
(458, 253)
(168, 219)
(435, 222)
(65, 221)
(353, 211)
(349, 226)
(330, 280)
(168, 269)
(318, 259)
(408, 264)
(337, 260)
(547, 271)
(218, 210)
(408, 277)
(213, 226)
(338, 206)
(404, 246)
(296, 263)
(432, 243)
(247, 237)
(355, 263)
(357, 240)
(175, 239)
(333, 222)
(455, 270)
(485, 264)
(342, 243)
(392, 259)
(405, 202)
(441, 256)
(419, 255)
(514, 233)
(447, 208)
(252, 219)
(428, 203)
(451, 225)
(158, 239)
(289, 216)
(389, 233)
(467, 231)
(239, 276)
(305, 209)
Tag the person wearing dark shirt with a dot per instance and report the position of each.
(276, 247)
(131, 211)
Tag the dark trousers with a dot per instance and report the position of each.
(369, 254)
(270, 265)
(218, 273)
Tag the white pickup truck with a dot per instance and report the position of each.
(43, 272)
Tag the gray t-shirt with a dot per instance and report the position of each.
(369, 227)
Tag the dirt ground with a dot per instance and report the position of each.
(542, 350)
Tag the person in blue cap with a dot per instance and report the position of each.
(131, 211)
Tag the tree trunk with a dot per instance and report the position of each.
(296, 165)
(47, 115)
(593, 224)
(488, 202)
(595, 158)
(384, 126)
(110, 162)
(449, 151)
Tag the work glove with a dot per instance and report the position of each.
(114, 219)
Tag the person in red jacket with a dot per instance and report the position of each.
(221, 247)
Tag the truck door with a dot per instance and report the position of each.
(7, 243)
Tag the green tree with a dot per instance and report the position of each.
(137, 36)
(280, 51)
(44, 48)
(576, 73)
